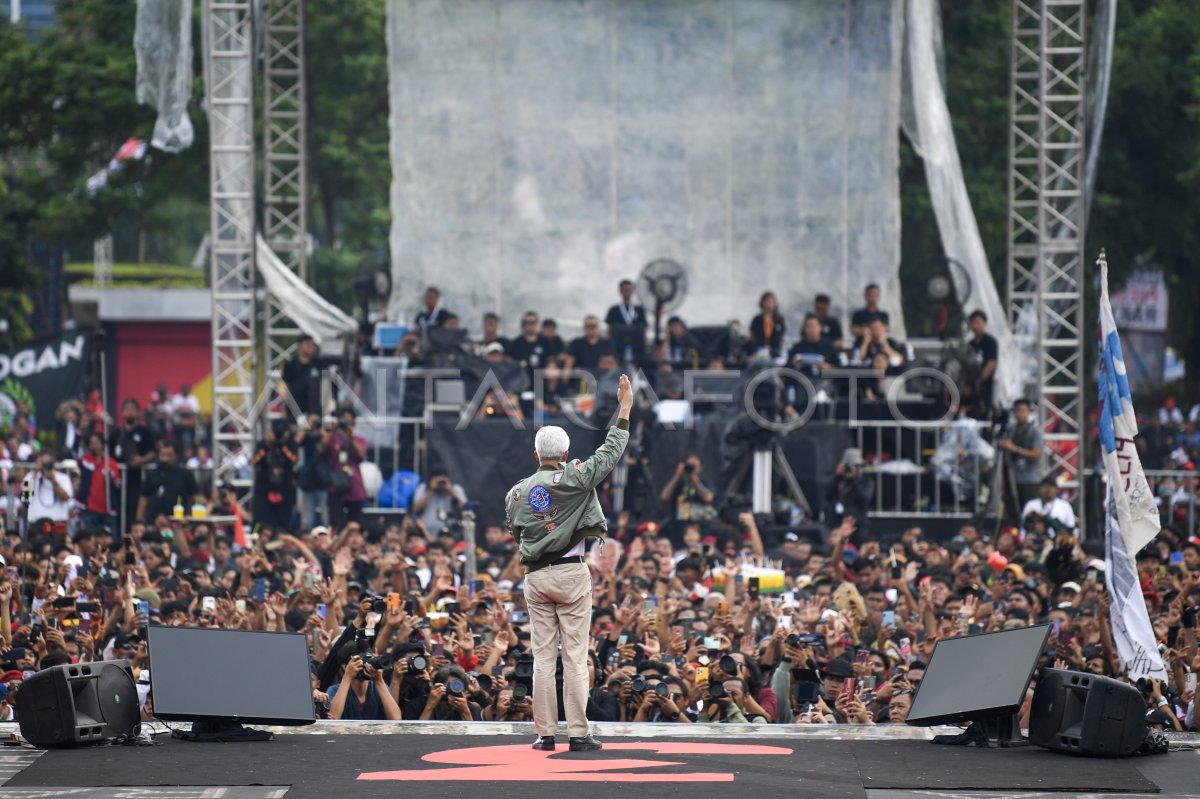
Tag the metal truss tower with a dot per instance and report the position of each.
(229, 74)
(284, 145)
(1046, 216)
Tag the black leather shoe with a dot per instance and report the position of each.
(545, 743)
(588, 744)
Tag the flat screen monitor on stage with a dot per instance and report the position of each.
(230, 676)
(978, 677)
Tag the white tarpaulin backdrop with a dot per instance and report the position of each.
(544, 149)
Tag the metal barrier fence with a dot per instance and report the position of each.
(921, 471)
(15, 471)
(1183, 496)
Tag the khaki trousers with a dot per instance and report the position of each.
(560, 606)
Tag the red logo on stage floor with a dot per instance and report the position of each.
(519, 763)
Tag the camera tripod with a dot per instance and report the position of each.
(762, 462)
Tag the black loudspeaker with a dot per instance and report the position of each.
(78, 704)
(1086, 714)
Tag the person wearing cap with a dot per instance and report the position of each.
(1050, 507)
(551, 513)
(7, 713)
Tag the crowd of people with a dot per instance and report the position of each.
(712, 627)
(696, 618)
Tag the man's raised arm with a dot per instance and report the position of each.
(593, 471)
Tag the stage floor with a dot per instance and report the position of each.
(333, 760)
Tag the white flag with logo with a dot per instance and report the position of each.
(1131, 517)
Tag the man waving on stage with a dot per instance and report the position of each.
(551, 513)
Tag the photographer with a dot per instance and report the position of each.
(437, 502)
(411, 678)
(690, 496)
(274, 478)
(312, 472)
(362, 693)
(725, 702)
(52, 493)
(664, 702)
(346, 492)
(852, 492)
(448, 698)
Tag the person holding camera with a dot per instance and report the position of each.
(438, 501)
(551, 513)
(725, 702)
(345, 452)
(448, 699)
(362, 693)
(664, 703)
(274, 465)
(691, 497)
(52, 493)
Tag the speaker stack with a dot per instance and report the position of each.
(1086, 714)
(77, 704)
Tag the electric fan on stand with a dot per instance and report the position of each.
(662, 287)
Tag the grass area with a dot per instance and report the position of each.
(141, 275)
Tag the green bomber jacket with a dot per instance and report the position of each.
(554, 508)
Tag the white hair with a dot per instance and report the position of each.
(551, 442)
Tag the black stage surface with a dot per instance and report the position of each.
(504, 767)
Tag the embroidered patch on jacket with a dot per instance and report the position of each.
(558, 477)
(539, 499)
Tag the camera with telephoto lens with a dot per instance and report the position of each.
(455, 686)
(417, 664)
(728, 665)
(792, 640)
(523, 669)
(663, 690)
(688, 468)
(716, 690)
(638, 684)
(365, 645)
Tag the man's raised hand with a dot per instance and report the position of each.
(625, 393)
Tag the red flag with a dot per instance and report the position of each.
(239, 529)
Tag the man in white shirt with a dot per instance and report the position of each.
(52, 493)
(1048, 505)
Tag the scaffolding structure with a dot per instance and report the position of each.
(284, 152)
(1046, 216)
(229, 73)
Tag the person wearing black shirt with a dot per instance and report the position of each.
(528, 349)
(813, 353)
(433, 314)
(585, 352)
(133, 446)
(627, 325)
(302, 375)
(274, 465)
(679, 349)
(831, 326)
(987, 351)
(165, 485)
(863, 316)
(491, 333)
(767, 329)
(877, 342)
(553, 347)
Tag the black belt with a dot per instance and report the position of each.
(560, 562)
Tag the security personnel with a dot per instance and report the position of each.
(550, 513)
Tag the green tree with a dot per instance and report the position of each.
(348, 139)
